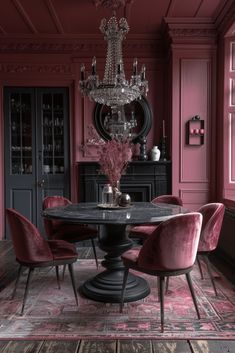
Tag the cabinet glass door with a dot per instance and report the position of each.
(53, 133)
(20, 133)
(36, 141)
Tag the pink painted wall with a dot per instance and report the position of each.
(192, 88)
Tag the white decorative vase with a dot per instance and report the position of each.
(155, 154)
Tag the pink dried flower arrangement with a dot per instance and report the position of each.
(114, 156)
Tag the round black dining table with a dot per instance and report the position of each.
(106, 286)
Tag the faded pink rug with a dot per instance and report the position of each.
(51, 313)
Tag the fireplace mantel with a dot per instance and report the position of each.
(143, 180)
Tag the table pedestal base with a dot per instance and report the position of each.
(107, 287)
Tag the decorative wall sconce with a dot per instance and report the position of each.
(195, 131)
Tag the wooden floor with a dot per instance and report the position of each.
(8, 270)
(121, 346)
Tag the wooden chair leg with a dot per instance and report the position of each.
(73, 282)
(125, 276)
(57, 276)
(26, 290)
(17, 281)
(200, 267)
(162, 285)
(94, 251)
(192, 294)
(210, 274)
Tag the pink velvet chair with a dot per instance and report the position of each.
(72, 233)
(169, 251)
(213, 214)
(144, 230)
(33, 251)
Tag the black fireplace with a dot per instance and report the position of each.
(143, 180)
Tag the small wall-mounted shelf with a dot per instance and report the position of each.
(195, 132)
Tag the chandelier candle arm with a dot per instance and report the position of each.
(94, 66)
(143, 72)
(135, 63)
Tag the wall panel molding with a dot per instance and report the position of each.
(231, 147)
(194, 196)
(194, 99)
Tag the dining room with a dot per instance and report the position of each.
(117, 120)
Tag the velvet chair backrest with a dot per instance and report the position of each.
(213, 214)
(173, 245)
(29, 245)
(174, 200)
(52, 226)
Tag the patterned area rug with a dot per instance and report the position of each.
(51, 313)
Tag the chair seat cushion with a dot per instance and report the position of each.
(74, 232)
(130, 257)
(142, 231)
(62, 250)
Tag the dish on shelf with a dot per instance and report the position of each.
(112, 207)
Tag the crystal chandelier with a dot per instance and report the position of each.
(114, 90)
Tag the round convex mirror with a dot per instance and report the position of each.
(133, 120)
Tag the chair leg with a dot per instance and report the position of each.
(192, 294)
(161, 292)
(125, 276)
(200, 267)
(57, 276)
(26, 290)
(210, 274)
(17, 281)
(94, 251)
(73, 282)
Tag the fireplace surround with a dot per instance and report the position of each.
(143, 180)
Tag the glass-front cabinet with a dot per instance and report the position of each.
(21, 133)
(36, 148)
(53, 133)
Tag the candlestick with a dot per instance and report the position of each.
(163, 149)
(163, 129)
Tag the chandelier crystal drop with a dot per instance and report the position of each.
(114, 90)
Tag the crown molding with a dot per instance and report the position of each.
(189, 31)
(14, 68)
(139, 45)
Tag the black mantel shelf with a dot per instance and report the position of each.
(143, 180)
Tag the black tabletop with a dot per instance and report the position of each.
(137, 213)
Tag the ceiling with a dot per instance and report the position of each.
(72, 18)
